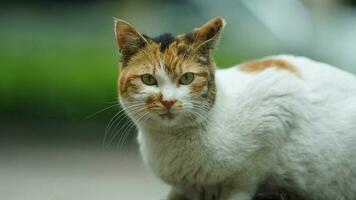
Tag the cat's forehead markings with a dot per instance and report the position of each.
(164, 40)
(160, 71)
(163, 76)
(161, 64)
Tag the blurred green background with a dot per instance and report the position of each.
(59, 64)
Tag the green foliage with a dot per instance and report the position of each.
(56, 77)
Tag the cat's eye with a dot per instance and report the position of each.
(186, 78)
(148, 79)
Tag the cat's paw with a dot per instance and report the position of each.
(270, 196)
(210, 193)
(176, 195)
(241, 196)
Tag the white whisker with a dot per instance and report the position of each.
(101, 110)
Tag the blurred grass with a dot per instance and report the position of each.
(62, 67)
(68, 77)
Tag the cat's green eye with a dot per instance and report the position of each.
(148, 79)
(186, 78)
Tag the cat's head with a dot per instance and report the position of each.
(167, 81)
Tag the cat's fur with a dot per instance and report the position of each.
(282, 118)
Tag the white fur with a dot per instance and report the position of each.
(301, 132)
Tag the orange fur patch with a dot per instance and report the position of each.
(198, 86)
(261, 65)
(153, 103)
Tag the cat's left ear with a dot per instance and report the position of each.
(129, 40)
(206, 36)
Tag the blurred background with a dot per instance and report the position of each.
(62, 135)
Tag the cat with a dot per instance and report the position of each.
(219, 134)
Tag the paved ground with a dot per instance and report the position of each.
(52, 173)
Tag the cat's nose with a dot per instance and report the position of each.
(168, 103)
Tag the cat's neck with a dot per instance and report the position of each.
(166, 150)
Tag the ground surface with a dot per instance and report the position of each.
(53, 173)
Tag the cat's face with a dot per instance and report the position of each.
(167, 81)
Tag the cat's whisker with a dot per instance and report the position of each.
(127, 123)
(189, 118)
(107, 127)
(126, 131)
(204, 107)
(133, 111)
(115, 101)
(130, 141)
(199, 115)
(124, 134)
(112, 122)
(200, 105)
(101, 110)
(119, 117)
(123, 116)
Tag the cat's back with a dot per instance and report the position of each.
(322, 76)
(326, 93)
(331, 89)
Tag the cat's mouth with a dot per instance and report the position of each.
(167, 115)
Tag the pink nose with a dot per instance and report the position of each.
(168, 103)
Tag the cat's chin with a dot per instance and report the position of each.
(167, 120)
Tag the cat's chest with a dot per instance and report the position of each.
(184, 159)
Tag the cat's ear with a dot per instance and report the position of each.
(129, 40)
(207, 35)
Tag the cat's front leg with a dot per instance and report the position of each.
(206, 192)
(177, 194)
(240, 196)
(244, 190)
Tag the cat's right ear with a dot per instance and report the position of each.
(128, 39)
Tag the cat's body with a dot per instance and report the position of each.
(283, 118)
(300, 131)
